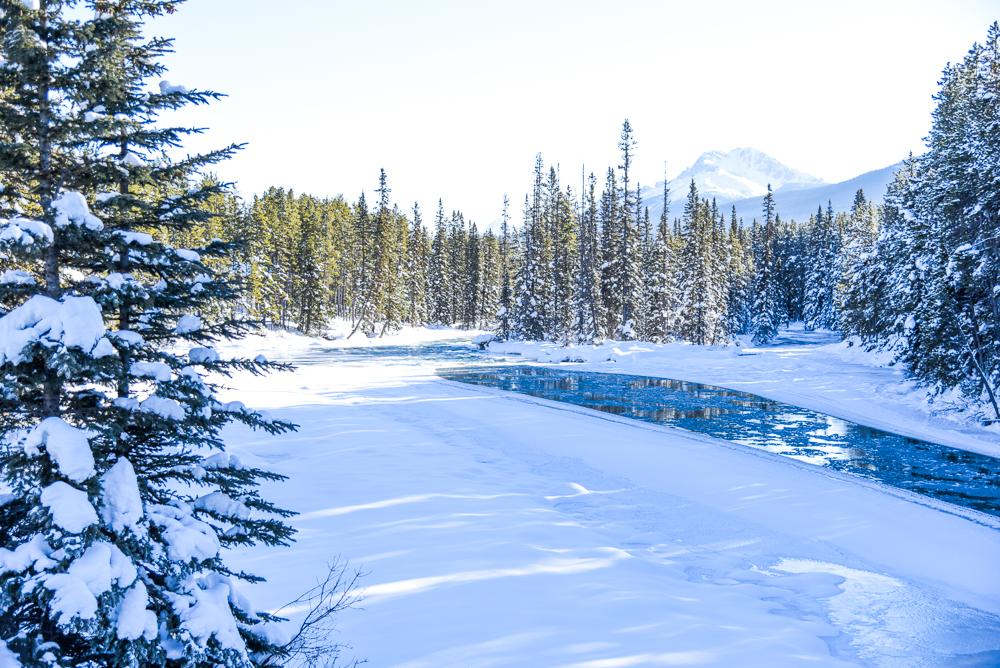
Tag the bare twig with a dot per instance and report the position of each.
(312, 645)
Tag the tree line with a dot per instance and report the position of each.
(583, 266)
(916, 274)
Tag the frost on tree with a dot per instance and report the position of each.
(117, 498)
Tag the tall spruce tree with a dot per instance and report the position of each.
(505, 311)
(121, 496)
(588, 301)
(629, 264)
(767, 308)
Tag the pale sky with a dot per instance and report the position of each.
(454, 99)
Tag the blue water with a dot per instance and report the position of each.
(957, 476)
(949, 474)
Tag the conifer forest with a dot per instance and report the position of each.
(582, 263)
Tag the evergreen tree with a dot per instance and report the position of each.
(629, 267)
(740, 273)
(766, 309)
(440, 272)
(820, 310)
(505, 312)
(588, 295)
(662, 278)
(858, 300)
(613, 256)
(939, 259)
(703, 297)
(123, 495)
(417, 262)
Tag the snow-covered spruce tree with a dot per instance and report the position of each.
(505, 312)
(821, 278)
(588, 299)
(766, 308)
(941, 248)
(117, 493)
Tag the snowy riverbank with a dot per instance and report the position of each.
(813, 370)
(505, 530)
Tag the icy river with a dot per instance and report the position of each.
(648, 521)
(949, 474)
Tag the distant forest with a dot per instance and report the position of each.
(918, 274)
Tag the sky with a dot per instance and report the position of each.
(454, 99)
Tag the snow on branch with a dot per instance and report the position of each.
(74, 322)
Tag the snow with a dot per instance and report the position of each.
(166, 88)
(220, 504)
(188, 323)
(72, 322)
(202, 355)
(187, 538)
(155, 370)
(139, 238)
(68, 446)
(202, 619)
(35, 553)
(189, 255)
(210, 615)
(89, 576)
(16, 277)
(130, 159)
(71, 599)
(121, 503)
(71, 207)
(134, 620)
(70, 507)
(165, 408)
(127, 338)
(24, 232)
(500, 529)
(7, 658)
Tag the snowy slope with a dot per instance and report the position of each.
(798, 204)
(501, 530)
(736, 175)
(793, 200)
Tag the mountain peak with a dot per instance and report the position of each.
(738, 174)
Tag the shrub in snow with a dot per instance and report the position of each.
(117, 500)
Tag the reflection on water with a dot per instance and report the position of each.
(960, 477)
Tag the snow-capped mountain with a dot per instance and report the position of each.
(736, 175)
(740, 178)
(798, 203)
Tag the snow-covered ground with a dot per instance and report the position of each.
(502, 530)
(813, 370)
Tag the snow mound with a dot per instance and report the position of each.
(24, 232)
(16, 277)
(70, 507)
(89, 576)
(71, 207)
(187, 538)
(187, 324)
(74, 322)
(122, 503)
(7, 658)
(68, 446)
